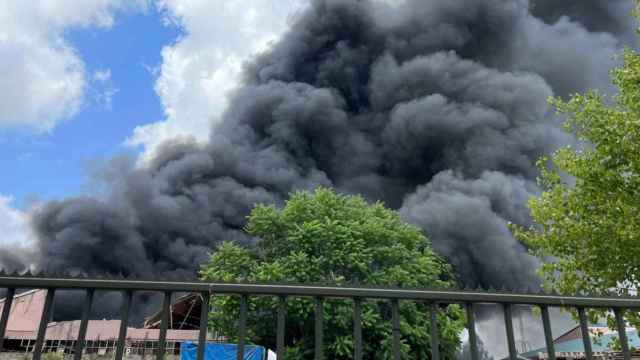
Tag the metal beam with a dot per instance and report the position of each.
(445, 296)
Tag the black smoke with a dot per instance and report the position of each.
(438, 108)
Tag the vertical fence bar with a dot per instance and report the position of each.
(242, 327)
(584, 329)
(127, 296)
(86, 310)
(319, 331)
(622, 333)
(204, 322)
(164, 325)
(508, 323)
(4, 318)
(548, 335)
(471, 327)
(395, 323)
(435, 339)
(357, 328)
(44, 320)
(280, 327)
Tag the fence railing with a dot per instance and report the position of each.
(468, 299)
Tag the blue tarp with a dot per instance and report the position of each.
(189, 351)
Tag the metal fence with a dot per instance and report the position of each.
(434, 297)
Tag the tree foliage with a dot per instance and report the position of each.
(587, 220)
(324, 237)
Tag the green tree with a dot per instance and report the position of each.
(587, 220)
(325, 237)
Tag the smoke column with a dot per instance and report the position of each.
(438, 108)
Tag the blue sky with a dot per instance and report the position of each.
(82, 84)
(54, 164)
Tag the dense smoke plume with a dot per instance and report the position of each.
(438, 108)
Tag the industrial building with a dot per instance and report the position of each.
(102, 335)
(570, 345)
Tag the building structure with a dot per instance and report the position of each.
(570, 345)
(184, 314)
(102, 335)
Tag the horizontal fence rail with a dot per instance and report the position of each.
(319, 293)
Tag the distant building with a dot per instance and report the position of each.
(102, 335)
(184, 315)
(570, 346)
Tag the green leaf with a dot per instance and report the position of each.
(326, 237)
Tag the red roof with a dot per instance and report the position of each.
(26, 312)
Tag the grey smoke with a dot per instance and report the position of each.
(438, 108)
(468, 216)
(483, 354)
(527, 326)
(610, 16)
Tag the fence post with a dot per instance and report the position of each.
(281, 326)
(82, 332)
(395, 328)
(242, 328)
(357, 328)
(4, 318)
(471, 327)
(319, 330)
(584, 329)
(508, 323)
(127, 296)
(622, 333)
(548, 336)
(435, 340)
(44, 321)
(204, 322)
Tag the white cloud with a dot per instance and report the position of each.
(43, 77)
(102, 88)
(102, 75)
(13, 225)
(201, 67)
